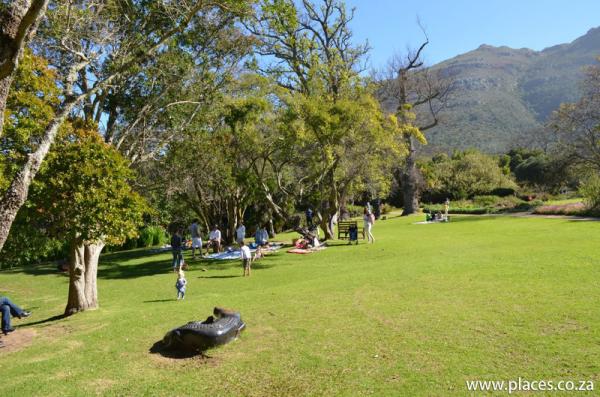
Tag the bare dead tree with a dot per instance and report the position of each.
(408, 85)
(577, 125)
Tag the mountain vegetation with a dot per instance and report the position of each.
(501, 94)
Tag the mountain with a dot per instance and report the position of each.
(500, 93)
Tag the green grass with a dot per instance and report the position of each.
(421, 311)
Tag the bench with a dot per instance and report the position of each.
(344, 230)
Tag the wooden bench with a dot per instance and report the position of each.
(344, 230)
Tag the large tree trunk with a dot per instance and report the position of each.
(410, 180)
(232, 221)
(325, 226)
(271, 227)
(332, 208)
(5, 84)
(18, 24)
(325, 216)
(83, 273)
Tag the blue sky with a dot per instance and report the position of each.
(458, 26)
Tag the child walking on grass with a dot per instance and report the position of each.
(180, 285)
(246, 256)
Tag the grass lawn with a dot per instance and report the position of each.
(419, 312)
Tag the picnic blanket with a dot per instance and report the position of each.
(235, 254)
(303, 251)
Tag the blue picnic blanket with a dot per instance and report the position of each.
(236, 254)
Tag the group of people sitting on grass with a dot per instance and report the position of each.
(215, 241)
(439, 216)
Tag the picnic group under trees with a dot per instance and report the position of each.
(215, 241)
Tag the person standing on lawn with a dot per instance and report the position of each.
(177, 249)
(261, 237)
(246, 257)
(446, 209)
(240, 233)
(196, 238)
(368, 219)
(309, 217)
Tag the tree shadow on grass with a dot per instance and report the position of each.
(215, 264)
(132, 254)
(229, 276)
(160, 300)
(111, 259)
(44, 269)
(114, 270)
(48, 320)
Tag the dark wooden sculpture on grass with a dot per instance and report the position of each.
(196, 336)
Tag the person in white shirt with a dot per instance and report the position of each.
(240, 233)
(214, 240)
(368, 219)
(196, 238)
(246, 257)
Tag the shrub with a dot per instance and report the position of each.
(590, 190)
(130, 243)
(146, 238)
(482, 205)
(151, 236)
(27, 245)
(465, 175)
(503, 192)
(561, 209)
(160, 236)
(354, 210)
(386, 209)
(485, 201)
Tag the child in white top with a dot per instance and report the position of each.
(246, 257)
(180, 285)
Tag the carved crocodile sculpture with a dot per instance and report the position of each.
(196, 336)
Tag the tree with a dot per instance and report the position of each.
(465, 175)
(226, 144)
(29, 109)
(18, 24)
(84, 195)
(30, 106)
(78, 38)
(408, 86)
(577, 125)
(337, 124)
